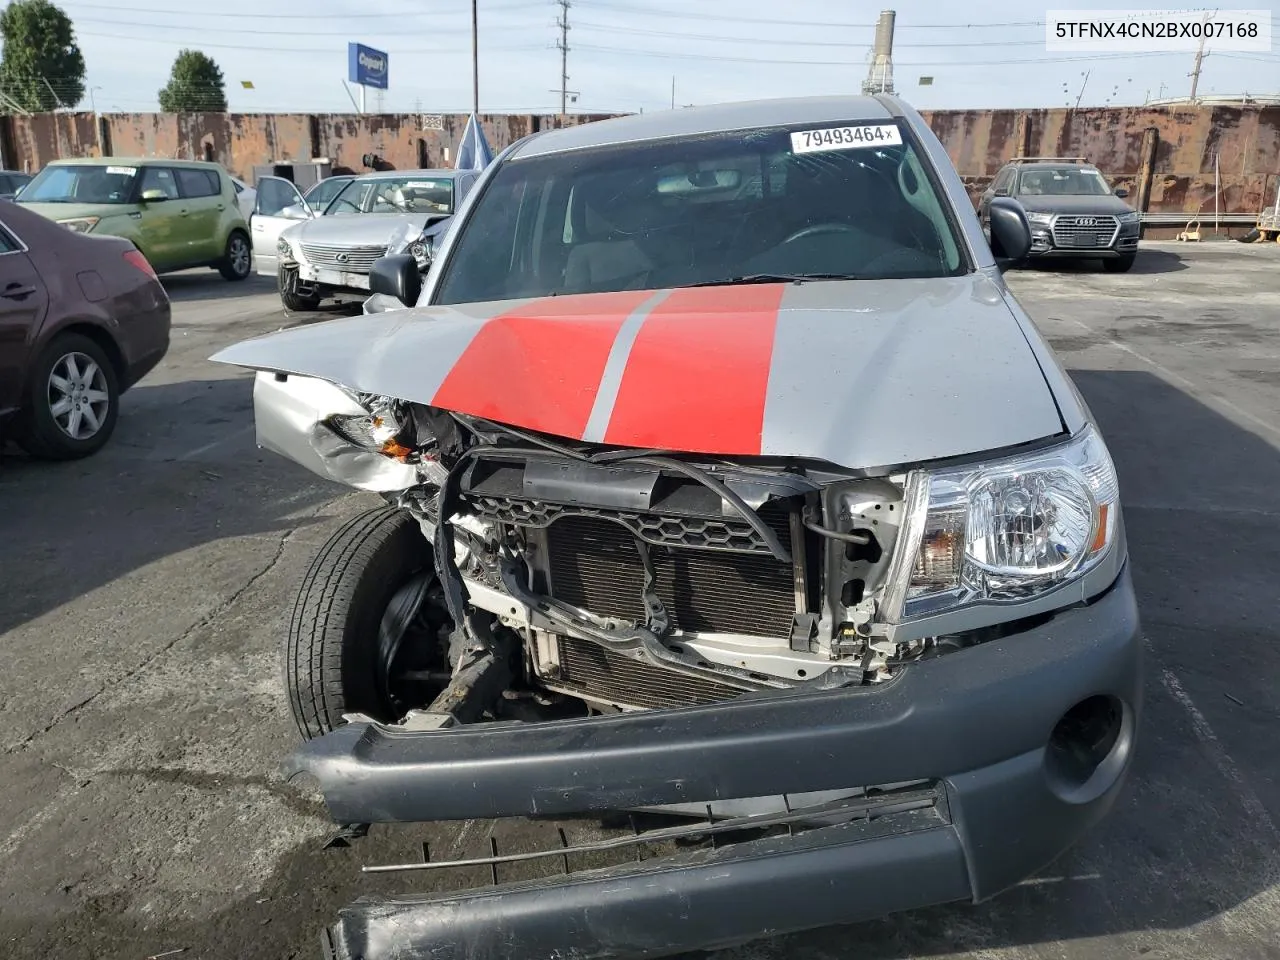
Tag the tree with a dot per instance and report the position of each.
(195, 85)
(42, 68)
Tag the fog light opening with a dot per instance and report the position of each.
(1088, 748)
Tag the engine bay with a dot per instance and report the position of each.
(644, 579)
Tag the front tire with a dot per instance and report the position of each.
(296, 302)
(331, 658)
(73, 400)
(237, 261)
(1119, 264)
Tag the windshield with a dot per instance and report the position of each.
(849, 201)
(81, 183)
(1063, 182)
(394, 195)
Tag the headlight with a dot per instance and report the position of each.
(284, 249)
(1130, 217)
(80, 224)
(1042, 218)
(377, 432)
(1004, 531)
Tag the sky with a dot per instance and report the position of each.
(625, 54)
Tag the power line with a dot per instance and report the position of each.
(398, 14)
(278, 49)
(603, 28)
(844, 63)
(667, 12)
(258, 31)
(771, 41)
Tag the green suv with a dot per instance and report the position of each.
(179, 213)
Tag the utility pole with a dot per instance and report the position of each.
(475, 63)
(563, 44)
(1195, 70)
(97, 121)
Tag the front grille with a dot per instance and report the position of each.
(589, 668)
(594, 565)
(358, 259)
(1084, 233)
(710, 533)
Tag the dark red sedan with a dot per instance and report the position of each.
(82, 319)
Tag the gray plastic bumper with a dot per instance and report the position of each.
(976, 722)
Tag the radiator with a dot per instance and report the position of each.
(601, 674)
(594, 565)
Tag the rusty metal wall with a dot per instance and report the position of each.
(1246, 140)
(242, 141)
(32, 141)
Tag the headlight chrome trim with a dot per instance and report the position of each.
(935, 547)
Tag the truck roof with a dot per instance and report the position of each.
(694, 121)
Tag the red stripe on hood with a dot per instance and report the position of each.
(698, 372)
(539, 366)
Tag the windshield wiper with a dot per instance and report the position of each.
(773, 278)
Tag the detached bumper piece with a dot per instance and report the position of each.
(850, 859)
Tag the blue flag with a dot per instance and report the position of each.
(473, 152)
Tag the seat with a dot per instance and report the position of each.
(596, 263)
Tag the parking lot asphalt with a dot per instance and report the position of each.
(145, 591)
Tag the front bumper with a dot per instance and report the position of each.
(1125, 244)
(334, 279)
(976, 723)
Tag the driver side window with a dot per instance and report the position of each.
(274, 195)
(160, 178)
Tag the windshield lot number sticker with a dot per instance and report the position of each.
(845, 138)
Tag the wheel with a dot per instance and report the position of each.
(1119, 264)
(293, 300)
(366, 589)
(238, 260)
(73, 400)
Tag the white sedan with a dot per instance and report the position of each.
(246, 196)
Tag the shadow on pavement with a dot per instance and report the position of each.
(1184, 845)
(1149, 261)
(181, 470)
(196, 285)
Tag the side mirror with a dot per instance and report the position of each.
(1010, 232)
(397, 275)
(297, 211)
(154, 196)
(1121, 192)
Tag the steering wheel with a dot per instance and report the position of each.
(819, 229)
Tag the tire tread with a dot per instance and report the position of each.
(319, 646)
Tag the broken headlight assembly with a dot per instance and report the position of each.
(420, 250)
(378, 431)
(1004, 531)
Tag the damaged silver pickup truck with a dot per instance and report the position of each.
(724, 478)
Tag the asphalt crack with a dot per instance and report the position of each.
(155, 655)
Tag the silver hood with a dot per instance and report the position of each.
(357, 229)
(861, 373)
